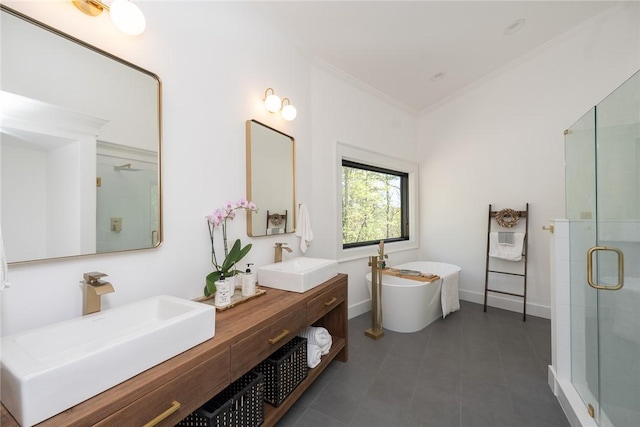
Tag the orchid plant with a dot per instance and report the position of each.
(218, 219)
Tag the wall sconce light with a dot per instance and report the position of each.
(289, 112)
(272, 101)
(273, 104)
(126, 16)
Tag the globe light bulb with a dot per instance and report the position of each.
(289, 112)
(127, 17)
(273, 103)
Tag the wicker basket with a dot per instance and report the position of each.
(284, 370)
(240, 404)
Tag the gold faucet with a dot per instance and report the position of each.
(93, 289)
(278, 254)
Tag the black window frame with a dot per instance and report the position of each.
(404, 202)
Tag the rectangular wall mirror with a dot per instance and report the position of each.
(80, 145)
(270, 180)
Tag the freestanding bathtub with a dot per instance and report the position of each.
(409, 305)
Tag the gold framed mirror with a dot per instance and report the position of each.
(80, 146)
(271, 180)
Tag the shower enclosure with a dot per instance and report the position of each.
(127, 201)
(602, 154)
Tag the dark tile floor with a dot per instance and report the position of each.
(470, 369)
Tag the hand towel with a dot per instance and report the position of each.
(505, 237)
(314, 355)
(304, 228)
(449, 294)
(506, 251)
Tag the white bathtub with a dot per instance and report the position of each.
(410, 305)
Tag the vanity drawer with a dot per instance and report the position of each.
(191, 389)
(324, 303)
(247, 353)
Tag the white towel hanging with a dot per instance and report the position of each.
(449, 295)
(506, 251)
(303, 230)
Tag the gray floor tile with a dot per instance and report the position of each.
(344, 393)
(400, 369)
(292, 416)
(391, 391)
(444, 376)
(434, 408)
(482, 371)
(311, 418)
(376, 413)
(472, 369)
(533, 406)
(312, 392)
(340, 400)
(479, 415)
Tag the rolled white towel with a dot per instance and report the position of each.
(316, 335)
(314, 354)
(325, 348)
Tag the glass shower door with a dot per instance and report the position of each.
(580, 182)
(618, 226)
(603, 204)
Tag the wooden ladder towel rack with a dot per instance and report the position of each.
(493, 223)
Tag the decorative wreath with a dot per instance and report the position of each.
(507, 217)
(276, 219)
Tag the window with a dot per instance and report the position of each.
(374, 205)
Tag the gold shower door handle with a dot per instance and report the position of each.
(594, 285)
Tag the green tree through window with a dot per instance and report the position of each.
(374, 205)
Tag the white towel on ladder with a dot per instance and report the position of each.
(304, 228)
(506, 251)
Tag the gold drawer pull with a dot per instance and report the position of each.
(284, 333)
(328, 303)
(175, 405)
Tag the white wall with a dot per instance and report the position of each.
(215, 60)
(501, 142)
(346, 113)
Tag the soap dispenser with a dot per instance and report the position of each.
(224, 290)
(248, 282)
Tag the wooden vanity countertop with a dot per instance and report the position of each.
(232, 326)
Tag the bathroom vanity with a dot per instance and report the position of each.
(245, 336)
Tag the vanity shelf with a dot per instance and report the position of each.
(273, 414)
(244, 337)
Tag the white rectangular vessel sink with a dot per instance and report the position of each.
(50, 369)
(297, 274)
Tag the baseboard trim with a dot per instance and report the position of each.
(356, 310)
(506, 303)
